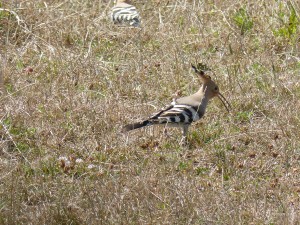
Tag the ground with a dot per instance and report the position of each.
(71, 79)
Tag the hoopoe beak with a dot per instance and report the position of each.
(223, 100)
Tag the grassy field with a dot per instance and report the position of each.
(71, 80)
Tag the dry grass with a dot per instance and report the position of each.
(72, 80)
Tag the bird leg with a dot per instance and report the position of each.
(184, 135)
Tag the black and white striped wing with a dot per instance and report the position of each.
(178, 114)
(127, 15)
(157, 114)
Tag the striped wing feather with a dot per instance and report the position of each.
(176, 114)
(125, 15)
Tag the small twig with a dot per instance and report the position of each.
(12, 12)
(1, 77)
(160, 17)
(22, 24)
(11, 94)
(8, 173)
(19, 21)
(159, 198)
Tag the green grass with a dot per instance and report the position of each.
(74, 79)
(243, 20)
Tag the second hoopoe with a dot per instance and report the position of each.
(183, 111)
(125, 13)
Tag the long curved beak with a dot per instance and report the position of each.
(223, 100)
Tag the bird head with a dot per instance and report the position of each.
(210, 88)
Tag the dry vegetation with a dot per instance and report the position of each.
(71, 80)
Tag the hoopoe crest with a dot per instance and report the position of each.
(186, 110)
(123, 13)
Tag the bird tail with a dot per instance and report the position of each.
(134, 126)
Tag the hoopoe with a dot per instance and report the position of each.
(125, 13)
(183, 111)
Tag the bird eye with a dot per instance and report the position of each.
(216, 88)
